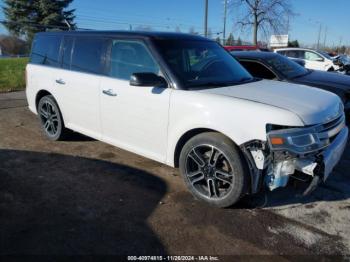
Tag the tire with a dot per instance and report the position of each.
(51, 119)
(213, 169)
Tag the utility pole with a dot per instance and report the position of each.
(130, 27)
(225, 15)
(319, 36)
(206, 18)
(325, 37)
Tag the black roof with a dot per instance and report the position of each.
(138, 34)
(253, 54)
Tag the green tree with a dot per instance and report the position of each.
(239, 41)
(230, 40)
(27, 17)
(294, 43)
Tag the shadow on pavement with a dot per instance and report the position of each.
(58, 204)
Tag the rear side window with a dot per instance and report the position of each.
(88, 55)
(128, 57)
(46, 50)
(295, 54)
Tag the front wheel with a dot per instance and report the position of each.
(213, 169)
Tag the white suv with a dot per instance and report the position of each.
(184, 101)
(316, 60)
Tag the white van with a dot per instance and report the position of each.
(316, 60)
(184, 101)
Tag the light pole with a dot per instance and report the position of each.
(325, 37)
(225, 14)
(319, 36)
(206, 18)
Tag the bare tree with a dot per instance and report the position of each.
(263, 15)
(178, 29)
(192, 31)
(12, 45)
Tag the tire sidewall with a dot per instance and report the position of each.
(60, 126)
(229, 149)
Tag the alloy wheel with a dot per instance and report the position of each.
(49, 118)
(209, 172)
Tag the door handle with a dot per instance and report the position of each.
(60, 81)
(109, 92)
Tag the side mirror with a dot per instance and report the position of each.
(146, 79)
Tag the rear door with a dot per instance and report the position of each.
(134, 118)
(79, 81)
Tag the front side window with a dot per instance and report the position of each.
(311, 56)
(198, 63)
(88, 54)
(46, 50)
(129, 57)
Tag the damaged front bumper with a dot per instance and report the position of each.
(274, 166)
(319, 164)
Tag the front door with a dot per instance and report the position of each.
(134, 118)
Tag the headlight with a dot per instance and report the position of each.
(295, 140)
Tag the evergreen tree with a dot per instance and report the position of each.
(230, 40)
(239, 41)
(27, 17)
(294, 43)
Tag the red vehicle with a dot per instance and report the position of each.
(242, 48)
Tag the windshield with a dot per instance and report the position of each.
(288, 68)
(202, 63)
(325, 54)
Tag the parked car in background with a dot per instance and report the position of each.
(246, 48)
(316, 60)
(184, 101)
(242, 48)
(343, 61)
(277, 67)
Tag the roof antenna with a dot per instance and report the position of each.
(68, 24)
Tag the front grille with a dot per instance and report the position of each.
(328, 131)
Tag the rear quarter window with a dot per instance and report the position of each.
(46, 50)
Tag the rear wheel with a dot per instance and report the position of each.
(51, 118)
(213, 169)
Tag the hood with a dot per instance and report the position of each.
(326, 79)
(312, 105)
